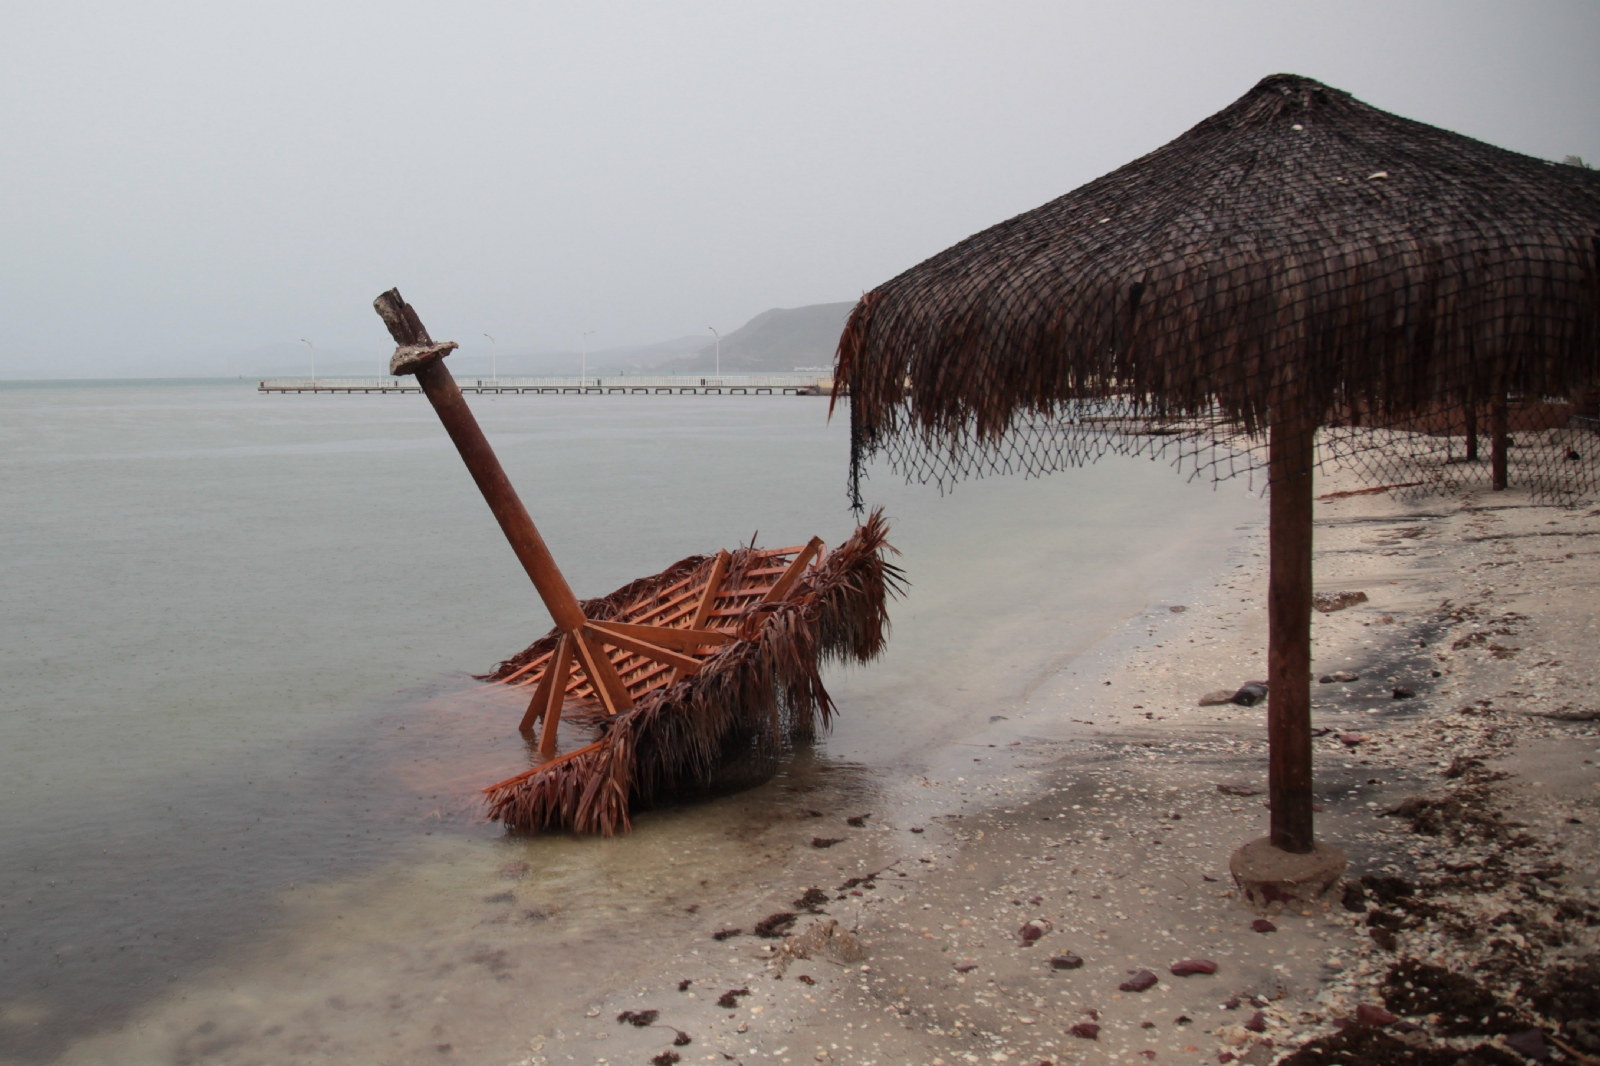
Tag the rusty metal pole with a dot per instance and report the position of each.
(1291, 458)
(418, 354)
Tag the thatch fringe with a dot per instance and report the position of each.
(728, 725)
(1298, 248)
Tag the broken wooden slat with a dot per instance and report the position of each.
(792, 574)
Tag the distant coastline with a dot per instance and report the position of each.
(775, 341)
(50, 383)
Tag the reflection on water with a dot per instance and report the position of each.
(241, 753)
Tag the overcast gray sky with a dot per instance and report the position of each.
(181, 183)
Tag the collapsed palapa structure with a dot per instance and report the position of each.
(685, 683)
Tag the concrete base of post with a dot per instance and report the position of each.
(1270, 879)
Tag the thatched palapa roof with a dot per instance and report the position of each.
(1297, 246)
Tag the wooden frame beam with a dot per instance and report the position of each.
(601, 633)
(541, 692)
(560, 668)
(781, 587)
(708, 599)
(664, 636)
(602, 674)
(568, 757)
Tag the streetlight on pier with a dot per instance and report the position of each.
(714, 332)
(494, 360)
(313, 348)
(583, 368)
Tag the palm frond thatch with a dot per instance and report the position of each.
(1297, 246)
(1298, 264)
(727, 725)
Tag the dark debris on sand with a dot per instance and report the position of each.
(811, 901)
(1463, 1006)
(1361, 1045)
(1491, 944)
(776, 926)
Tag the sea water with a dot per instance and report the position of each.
(240, 745)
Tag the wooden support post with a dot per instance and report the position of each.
(508, 510)
(1472, 432)
(549, 695)
(1291, 459)
(419, 355)
(1498, 417)
(560, 669)
(541, 691)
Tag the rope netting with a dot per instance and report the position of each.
(1551, 452)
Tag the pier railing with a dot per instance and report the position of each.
(601, 385)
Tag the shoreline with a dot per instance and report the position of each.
(471, 940)
(1116, 837)
(1060, 808)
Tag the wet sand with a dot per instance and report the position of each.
(1115, 833)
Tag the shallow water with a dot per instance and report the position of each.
(239, 745)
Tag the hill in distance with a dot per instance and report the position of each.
(775, 341)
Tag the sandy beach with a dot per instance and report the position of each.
(1103, 810)
(1031, 752)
